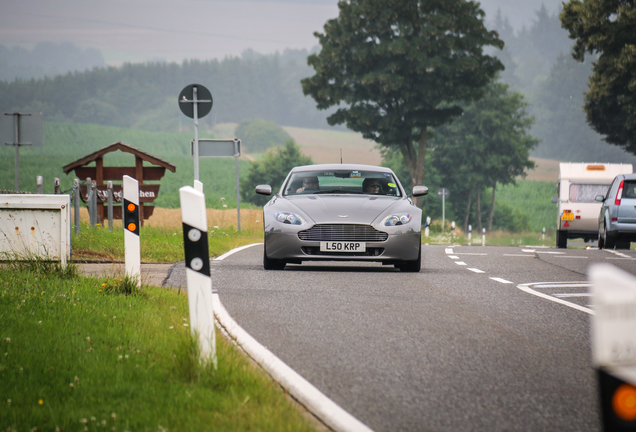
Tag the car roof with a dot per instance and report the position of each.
(346, 167)
(629, 176)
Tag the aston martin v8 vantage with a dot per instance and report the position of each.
(342, 212)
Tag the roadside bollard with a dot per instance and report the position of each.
(470, 228)
(130, 221)
(453, 232)
(39, 182)
(56, 186)
(483, 236)
(427, 225)
(197, 262)
(543, 234)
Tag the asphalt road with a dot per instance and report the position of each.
(482, 339)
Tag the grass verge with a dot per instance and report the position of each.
(90, 354)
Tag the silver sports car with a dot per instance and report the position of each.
(345, 213)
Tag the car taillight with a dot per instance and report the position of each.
(619, 194)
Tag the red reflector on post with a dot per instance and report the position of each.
(567, 224)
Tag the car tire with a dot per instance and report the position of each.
(623, 244)
(412, 266)
(272, 264)
(561, 239)
(610, 242)
(601, 239)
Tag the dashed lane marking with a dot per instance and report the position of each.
(453, 257)
(519, 255)
(460, 263)
(475, 270)
(449, 250)
(500, 280)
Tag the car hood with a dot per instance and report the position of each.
(343, 208)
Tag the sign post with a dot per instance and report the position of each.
(220, 148)
(130, 221)
(197, 261)
(614, 344)
(21, 129)
(195, 101)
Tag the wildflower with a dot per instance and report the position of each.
(41, 402)
(8, 340)
(120, 357)
(104, 423)
(76, 379)
(93, 418)
(171, 327)
(126, 356)
(103, 285)
(114, 317)
(72, 386)
(88, 338)
(113, 416)
(185, 324)
(83, 421)
(9, 402)
(39, 322)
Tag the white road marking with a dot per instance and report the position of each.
(460, 263)
(500, 280)
(233, 251)
(469, 253)
(571, 256)
(449, 250)
(527, 288)
(519, 255)
(565, 295)
(619, 258)
(620, 254)
(551, 253)
(453, 257)
(475, 270)
(528, 250)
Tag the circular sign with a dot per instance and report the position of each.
(186, 100)
(443, 192)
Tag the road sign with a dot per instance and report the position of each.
(130, 222)
(218, 147)
(443, 192)
(203, 100)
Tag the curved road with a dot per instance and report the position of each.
(477, 341)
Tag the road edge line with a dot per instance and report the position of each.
(330, 413)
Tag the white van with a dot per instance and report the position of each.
(578, 186)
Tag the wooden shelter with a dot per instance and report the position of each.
(101, 175)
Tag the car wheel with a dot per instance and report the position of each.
(610, 242)
(601, 238)
(412, 266)
(561, 239)
(623, 244)
(272, 264)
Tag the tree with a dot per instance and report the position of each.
(488, 145)
(259, 135)
(396, 69)
(606, 28)
(271, 169)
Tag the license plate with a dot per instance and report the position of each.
(567, 216)
(343, 247)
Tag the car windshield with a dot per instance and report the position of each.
(342, 182)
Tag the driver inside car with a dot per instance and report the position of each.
(309, 184)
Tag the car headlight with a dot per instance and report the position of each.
(289, 218)
(396, 219)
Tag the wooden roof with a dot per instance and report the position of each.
(122, 147)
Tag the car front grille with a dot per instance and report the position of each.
(343, 232)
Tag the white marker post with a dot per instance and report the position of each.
(614, 344)
(427, 225)
(470, 229)
(197, 261)
(130, 221)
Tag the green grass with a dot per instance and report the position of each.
(158, 245)
(533, 198)
(76, 355)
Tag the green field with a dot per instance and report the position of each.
(65, 143)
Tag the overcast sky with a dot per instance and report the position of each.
(174, 30)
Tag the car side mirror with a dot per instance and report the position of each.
(420, 190)
(555, 200)
(264, 189)
(600, 198)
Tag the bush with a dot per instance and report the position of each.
(272, 170)
(259, 135)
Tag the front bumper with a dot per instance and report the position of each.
(403, 245)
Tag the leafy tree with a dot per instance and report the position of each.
(488, 145)
(396, 69)
(271, 169)
(259, 135)
(606, 28)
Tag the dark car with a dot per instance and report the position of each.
(342, 212)
(617, 219)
